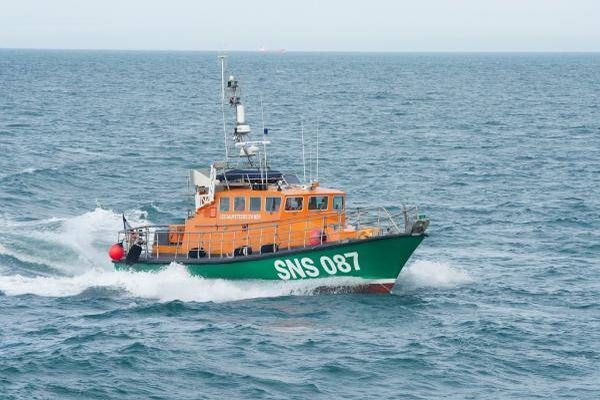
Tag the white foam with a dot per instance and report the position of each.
(78, 245)
(86, 236)
(89, 236)
(421, 274)
(172, 283)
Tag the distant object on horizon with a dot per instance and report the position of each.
(263, 49)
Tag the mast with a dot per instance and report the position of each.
(248, 149)
(242, 129)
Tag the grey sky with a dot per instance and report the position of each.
(370, 25)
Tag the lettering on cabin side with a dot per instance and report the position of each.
(306, 267)
(240, 216)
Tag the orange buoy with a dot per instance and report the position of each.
(116, 252)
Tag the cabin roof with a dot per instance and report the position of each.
(250, 175)
(285, 191)
(299, 191)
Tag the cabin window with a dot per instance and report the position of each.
(255, 203)
(224, 204)
(239, 204)
(293, 203)
(318, 203)
(273, 204)
(338, 203)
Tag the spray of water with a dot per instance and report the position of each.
(69, 245)
(431, 274)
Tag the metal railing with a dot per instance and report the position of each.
(210, 241)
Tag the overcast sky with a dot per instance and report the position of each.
(339, 25)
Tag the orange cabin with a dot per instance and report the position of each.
(250, 220)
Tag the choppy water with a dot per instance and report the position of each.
(500, 150)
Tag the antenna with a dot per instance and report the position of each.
(310, 169)
(303, 157)
(317, 150)
(262, 115)
(222, 60)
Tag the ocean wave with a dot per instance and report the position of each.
(25, 171)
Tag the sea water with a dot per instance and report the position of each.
(501, 151)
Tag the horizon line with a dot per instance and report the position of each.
(282, 51)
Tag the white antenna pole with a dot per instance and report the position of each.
(310, 165)
(317, 150)
(262, 115)
(303, 157)
(222, 59)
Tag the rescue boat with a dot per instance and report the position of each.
(253, 222)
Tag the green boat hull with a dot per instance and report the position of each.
(377, 260)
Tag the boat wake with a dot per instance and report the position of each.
(61, 257)
(172, 283)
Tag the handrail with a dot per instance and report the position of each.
(378, 220)
(262, 224)
(269, 224)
